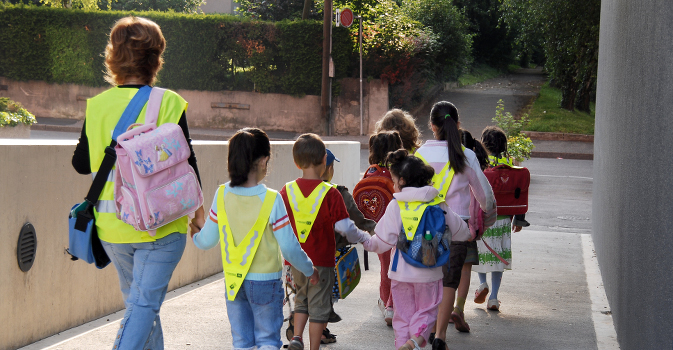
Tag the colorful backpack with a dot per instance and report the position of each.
(424, 239)
(373, 193)
(154, 184)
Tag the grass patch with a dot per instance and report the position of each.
(478, 74)
(546, 115)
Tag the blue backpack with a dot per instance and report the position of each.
(424, 239)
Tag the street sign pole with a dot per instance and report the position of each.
(361, 99)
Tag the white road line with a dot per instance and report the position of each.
(114, 319)
(606, 336)
(567, 177)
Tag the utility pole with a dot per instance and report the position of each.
(307, 9)
(326, 34)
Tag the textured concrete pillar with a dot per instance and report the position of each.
(633, 169)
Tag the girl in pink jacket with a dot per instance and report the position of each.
(416, 292)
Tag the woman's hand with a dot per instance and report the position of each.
(197, 222)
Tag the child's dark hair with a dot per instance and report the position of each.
(444, 116)
(412, 169)
(245, 148)
(476, 146)
(495, 140)
(308, 150)
(381, 144)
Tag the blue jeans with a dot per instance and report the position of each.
(144, 270)
(256, 315)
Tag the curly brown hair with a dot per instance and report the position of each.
(134, 50)
(402, 122)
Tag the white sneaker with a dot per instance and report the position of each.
(382, 307)
(493, 304)
(388, 317)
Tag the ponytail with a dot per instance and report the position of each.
(444, 116)
(246, 147)
(476, 146)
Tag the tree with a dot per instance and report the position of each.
(185, 6)
(569, 30)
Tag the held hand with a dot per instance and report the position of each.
(197, 222)
(517, 228)
(314, 277)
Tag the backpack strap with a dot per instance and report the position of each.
(128, 117)
(393, 267)
(153, 106)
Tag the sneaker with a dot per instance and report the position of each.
(493, 304)
(296, 343)
(382, 307)
(482, 292)
(328, 337)
(388, 317)
(459, 322)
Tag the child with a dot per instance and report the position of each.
(243, 207)
(457, 173)
(341, 243)
(499, 236)
(379, 146)
(417, 291)
(402, 122)
(316, 210)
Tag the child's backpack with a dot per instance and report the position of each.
(154, 183)
(424, 239)
(373, 193)
(510, 187)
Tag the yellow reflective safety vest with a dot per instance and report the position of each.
(236, 260)
(411, 213)
(103, 111)
(305, 209)
(494, 161)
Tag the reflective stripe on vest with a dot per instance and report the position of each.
(305, 209)
(106, 206)
(110, 176)
(236, 260)
(441, 180)
(494, 161)
(411, 213)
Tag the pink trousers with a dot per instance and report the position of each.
(416, 307)
(384, 288)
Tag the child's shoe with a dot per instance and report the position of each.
(388, 317)
(438, 344)
(296, 343)
(493, 304)
(482, 292)
(459, 322)
(327, 337)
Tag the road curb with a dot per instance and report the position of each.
(558, 136)
(581, 156)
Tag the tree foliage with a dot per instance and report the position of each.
(183, 6)
(569, 32)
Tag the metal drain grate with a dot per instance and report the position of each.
(26, 247)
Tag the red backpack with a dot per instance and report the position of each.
(373, 193)
(510, 187)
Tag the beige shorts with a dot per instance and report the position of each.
(314, 300)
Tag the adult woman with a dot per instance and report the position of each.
(144, 263)
(446, 155)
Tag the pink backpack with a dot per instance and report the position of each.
(154, 184)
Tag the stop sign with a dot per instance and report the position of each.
(346, 17)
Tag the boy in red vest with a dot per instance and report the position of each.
(316, 209)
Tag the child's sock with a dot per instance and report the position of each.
(482, 278)
(496, 278)
(460, 305)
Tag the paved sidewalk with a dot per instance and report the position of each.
(552, 299)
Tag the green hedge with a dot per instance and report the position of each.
(204, 52)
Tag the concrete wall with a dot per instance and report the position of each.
(39, 186)
(632, 206)
(218, 6)
(346, 107)
(272, 112)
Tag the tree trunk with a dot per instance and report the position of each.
(569, 92)
(307, 9)
(584, 100)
